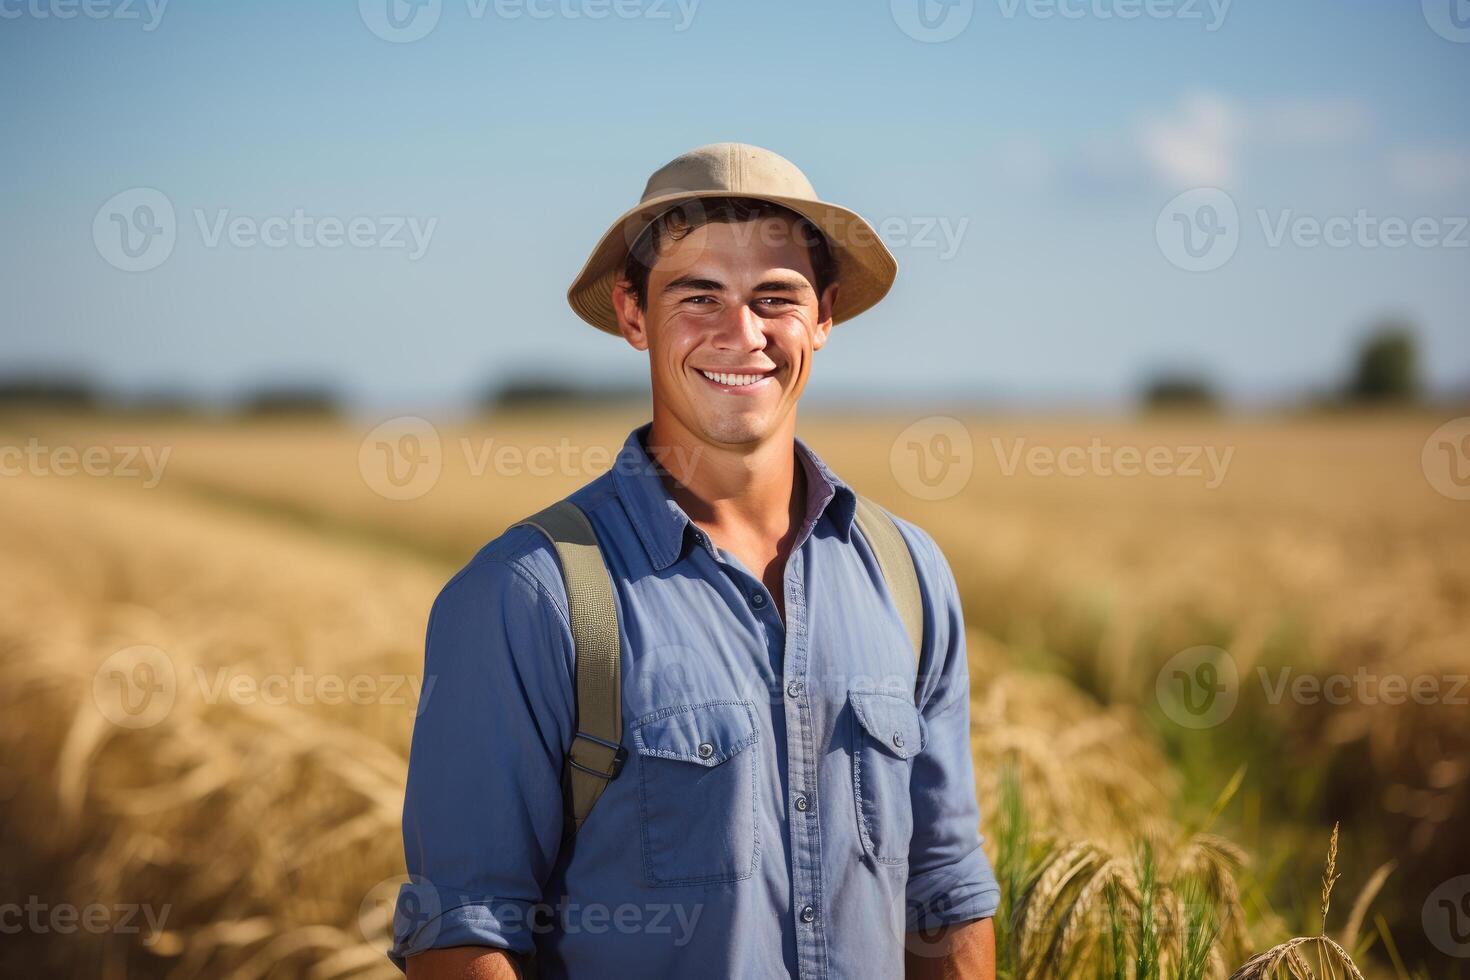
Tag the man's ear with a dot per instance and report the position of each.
(631, 322)
(825, 304)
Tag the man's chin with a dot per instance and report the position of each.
(736, 428)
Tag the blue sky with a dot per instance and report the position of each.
(1024, 168)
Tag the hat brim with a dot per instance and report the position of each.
(866, 269)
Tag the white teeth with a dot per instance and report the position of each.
(733, 380)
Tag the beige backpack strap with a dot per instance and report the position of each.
(897, 564)
(596, 755)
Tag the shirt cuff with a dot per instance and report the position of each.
(427, 917)
(958, 892)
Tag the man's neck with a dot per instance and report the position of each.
(731, 491)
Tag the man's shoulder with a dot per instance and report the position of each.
(935, 576)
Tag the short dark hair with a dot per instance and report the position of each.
(681, 219)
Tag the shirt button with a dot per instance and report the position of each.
(803, 804)
(793, 690)
(705, 750)
(898, 740)
(757, 599)
(808, 914)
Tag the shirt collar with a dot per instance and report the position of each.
(662, 524)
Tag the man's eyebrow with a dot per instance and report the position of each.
(786, 284)
(694, 283)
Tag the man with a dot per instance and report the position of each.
(792, 795)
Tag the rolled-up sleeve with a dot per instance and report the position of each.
(950, 878)
(482, 815)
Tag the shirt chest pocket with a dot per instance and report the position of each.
(697, 793)
(887, 733)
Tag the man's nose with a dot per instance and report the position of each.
(740, 329)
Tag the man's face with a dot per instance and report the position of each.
(732, 320)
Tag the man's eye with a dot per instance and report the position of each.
(700, 300)
(774, 301)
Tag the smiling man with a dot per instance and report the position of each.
(709, 716)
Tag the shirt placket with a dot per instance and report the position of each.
(807, 906)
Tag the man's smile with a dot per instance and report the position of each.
(741, 381)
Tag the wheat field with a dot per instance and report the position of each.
(210, 680)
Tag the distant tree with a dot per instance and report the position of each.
(1387, 367)
(56, 391)
(279, 400)
(162, 401)
(1170, 391)
(535, 390)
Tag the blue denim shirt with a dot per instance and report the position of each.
(793, 801)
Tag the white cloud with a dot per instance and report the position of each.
(1204, 140)
(1201, 142)
(1197, 145)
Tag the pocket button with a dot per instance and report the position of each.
(706, 750)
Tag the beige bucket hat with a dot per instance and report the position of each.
(865, 266)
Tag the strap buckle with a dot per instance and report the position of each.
(620, 755)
